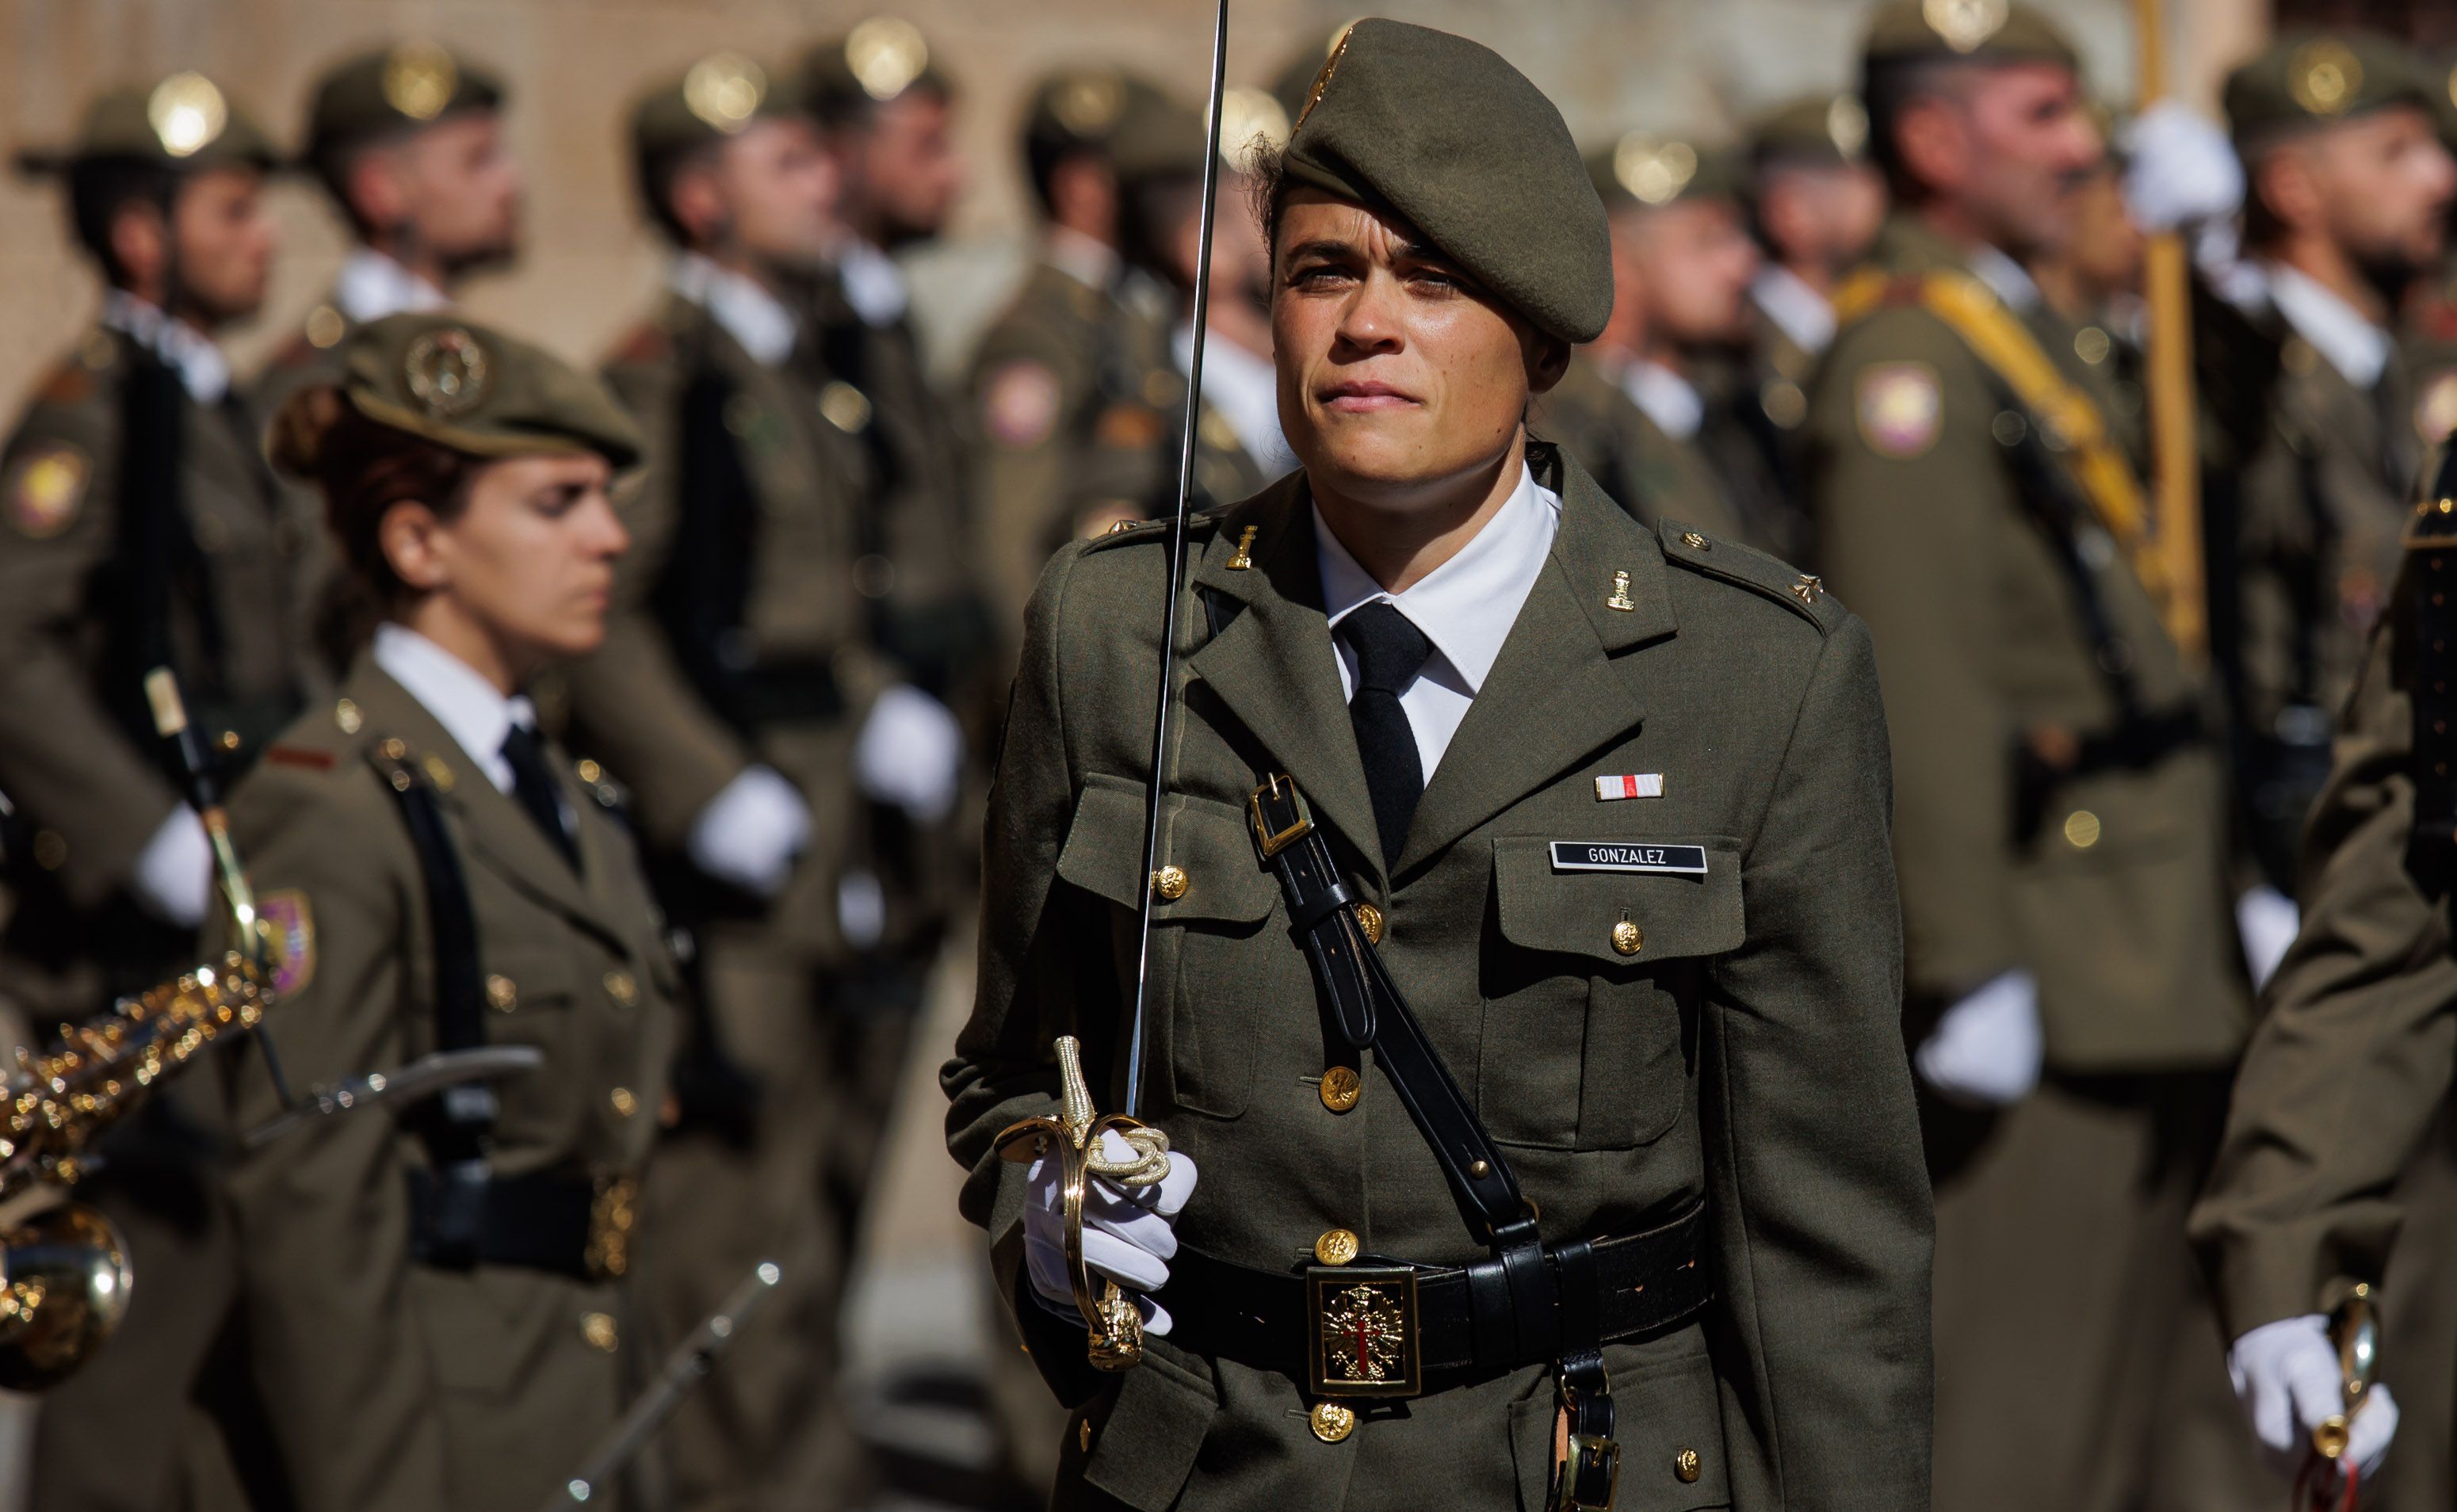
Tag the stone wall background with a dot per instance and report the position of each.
(1699, 66)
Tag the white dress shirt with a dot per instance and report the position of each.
(749, 313)
(1245, 390)
(2012, 282)
(204, 372)
(1799, 311)
(2357, 348)
(1671, 401)
(1089, 262)
(470, 708)
(372, 286)
(1465, 607)
(874, 284)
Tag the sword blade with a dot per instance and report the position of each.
(407, 1084)
(1176, 561)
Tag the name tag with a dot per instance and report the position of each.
(1613, 856)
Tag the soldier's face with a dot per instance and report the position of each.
(527, 562)
(2009, 147)
(225, 242)
(1691, 262)
(1821, 216)
(459, 190)
(908, 171)
(1400, 380)
(2381, 187)
(779, 191)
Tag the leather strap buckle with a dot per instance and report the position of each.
(1280, 814)
(1591, 1476)
(1363, 1337)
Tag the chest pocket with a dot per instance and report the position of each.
(1217, 970)
(1585, 1020)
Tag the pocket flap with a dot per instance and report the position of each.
(1573, 903)
(1205, 839)
(522, 976)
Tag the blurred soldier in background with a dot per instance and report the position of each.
(1815, 204)
(2349, 191)
(142, 529)
(409, 143)
(739, 670)
(2075, 990)
(1080, 357)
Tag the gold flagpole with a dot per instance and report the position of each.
(2174, 462)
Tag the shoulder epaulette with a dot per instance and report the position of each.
(1713, 557)
(404, 767)
(1130, 532)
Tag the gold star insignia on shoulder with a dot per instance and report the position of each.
(1808, 588)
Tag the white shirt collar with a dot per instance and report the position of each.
(204, 372)
(1467, 605)
(373, 285)
(1671, 401)
(2012, 282)
(749, 314)
(1090, 262)
(874, 285)
(2357, 348)
(1799, 311)
(1245, 390)
(467, 705)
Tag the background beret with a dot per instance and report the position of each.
(183, 122)
(475, 390)
(1642, 169)
(721, 95)
(1820, 130)
(1463, 147)
(409, 84)
(1988, 31)
(2310, 79)
(843, 77)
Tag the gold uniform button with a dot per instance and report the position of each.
(1340, 1088)
(1171, 882)
(2082, 829)
(626, 1101)
(591, 773)
(1687, 1467)
(502, 994)
(620, 986)
(598, 1329)
(1370, 920)
(1331, 1421)
(1626, 938)
(345, 715)
(1336, 1247)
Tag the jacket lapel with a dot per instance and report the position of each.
(1560, 689)
(1274, 667)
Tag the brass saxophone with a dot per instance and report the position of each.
(64, 1273)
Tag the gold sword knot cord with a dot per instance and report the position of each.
(1076, 1137)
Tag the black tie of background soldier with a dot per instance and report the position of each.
(1389, 651)
(533, 785)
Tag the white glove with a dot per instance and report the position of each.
(2266, 920)
(2287, 1380)
(2183, 170)
(175, 872)
(1986, 1049)
(750, 832)
(911, 754)
(1129, 1233)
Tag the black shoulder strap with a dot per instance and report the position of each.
(2431, 548)
(459, 1124)
(706, 585)
(154, 559)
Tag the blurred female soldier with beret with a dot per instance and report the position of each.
(432, 1289)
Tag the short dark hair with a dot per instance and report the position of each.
(1888, 91)
(100, 188)
(1267, 172)
(334, 162)
(654, 175)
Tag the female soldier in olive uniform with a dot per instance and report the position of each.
(433, 1308)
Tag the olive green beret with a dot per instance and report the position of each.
(2307, 79)
(1642, 168)
(1463, 147)
(1986, 31)
(872, 64)
(409, 84)
(478, 391)
(1829, 130)
(1139, 126)
(183, 122)
(722, 93)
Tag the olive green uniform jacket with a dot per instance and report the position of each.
(2116, 900)
(1068, 389)
(1750, 1055)
(1647, 473)
(392, 1386)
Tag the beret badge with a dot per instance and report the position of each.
(448, 372)
(2324, 76)
(418, 79)
(187, 113)
(1965, 24)
(724, 91)
(885, 55)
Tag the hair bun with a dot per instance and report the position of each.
(302, 427)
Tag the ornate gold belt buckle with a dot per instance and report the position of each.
(1365, 1338)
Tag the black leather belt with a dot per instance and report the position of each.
(568, 1225)
(1638, 1285)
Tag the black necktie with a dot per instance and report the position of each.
(1389, 651)
(534, 786)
